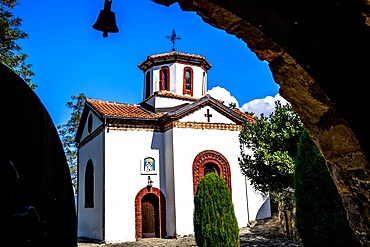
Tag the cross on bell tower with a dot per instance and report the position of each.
(173, 37)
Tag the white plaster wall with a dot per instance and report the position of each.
(174, 152)
(198, 116)
(161, 102)
(258, 203)
(197, 79)
(169, 184)
(187, 143)
(90, 220)
(125, 151)
(176, 79)
(156, 77)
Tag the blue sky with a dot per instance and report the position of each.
(69, 57)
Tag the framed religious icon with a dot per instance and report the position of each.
(148, 166)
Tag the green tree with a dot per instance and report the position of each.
(10, 52)
(67, 133)
(269, 147)
(320, 217)
(215, 224)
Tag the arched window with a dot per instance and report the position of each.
(147, 84)
(164, 83)
(89, 185)
(188, 81)
(210, 161)
(89, 124)
(210, 167)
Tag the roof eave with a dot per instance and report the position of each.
(131, 118)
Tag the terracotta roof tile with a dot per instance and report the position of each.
(174, 56)
(168, 94)
(115, 109)
(176, 53)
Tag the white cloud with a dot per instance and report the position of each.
(265, 105)
(258, 106)
(222, 94)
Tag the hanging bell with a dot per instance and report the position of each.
(106, 21)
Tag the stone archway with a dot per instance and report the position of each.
(212, 160)
(317, 63)
(138, 211)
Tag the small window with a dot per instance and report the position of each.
(164, 78)
(188, 81)
(147, 84)
(89, 185)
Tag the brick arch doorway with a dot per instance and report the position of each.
(210, 161)
(150, 200)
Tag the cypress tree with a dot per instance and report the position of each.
(320, 217)
(215, 224)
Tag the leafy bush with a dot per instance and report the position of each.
(214, 219)
(320, 217)
(268, 149)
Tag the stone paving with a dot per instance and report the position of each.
(261, 233)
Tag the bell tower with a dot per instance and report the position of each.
(175, 72)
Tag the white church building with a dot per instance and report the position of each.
(139, 165)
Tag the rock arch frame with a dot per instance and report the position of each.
(314, 50)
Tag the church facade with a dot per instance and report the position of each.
(139, 164)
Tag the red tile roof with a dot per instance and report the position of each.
(173, 56)
(172, 53)
(115, 109)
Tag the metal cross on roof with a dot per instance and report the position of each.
(173, 39)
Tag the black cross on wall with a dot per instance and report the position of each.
(208, 116)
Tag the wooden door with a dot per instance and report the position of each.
(150, 216)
